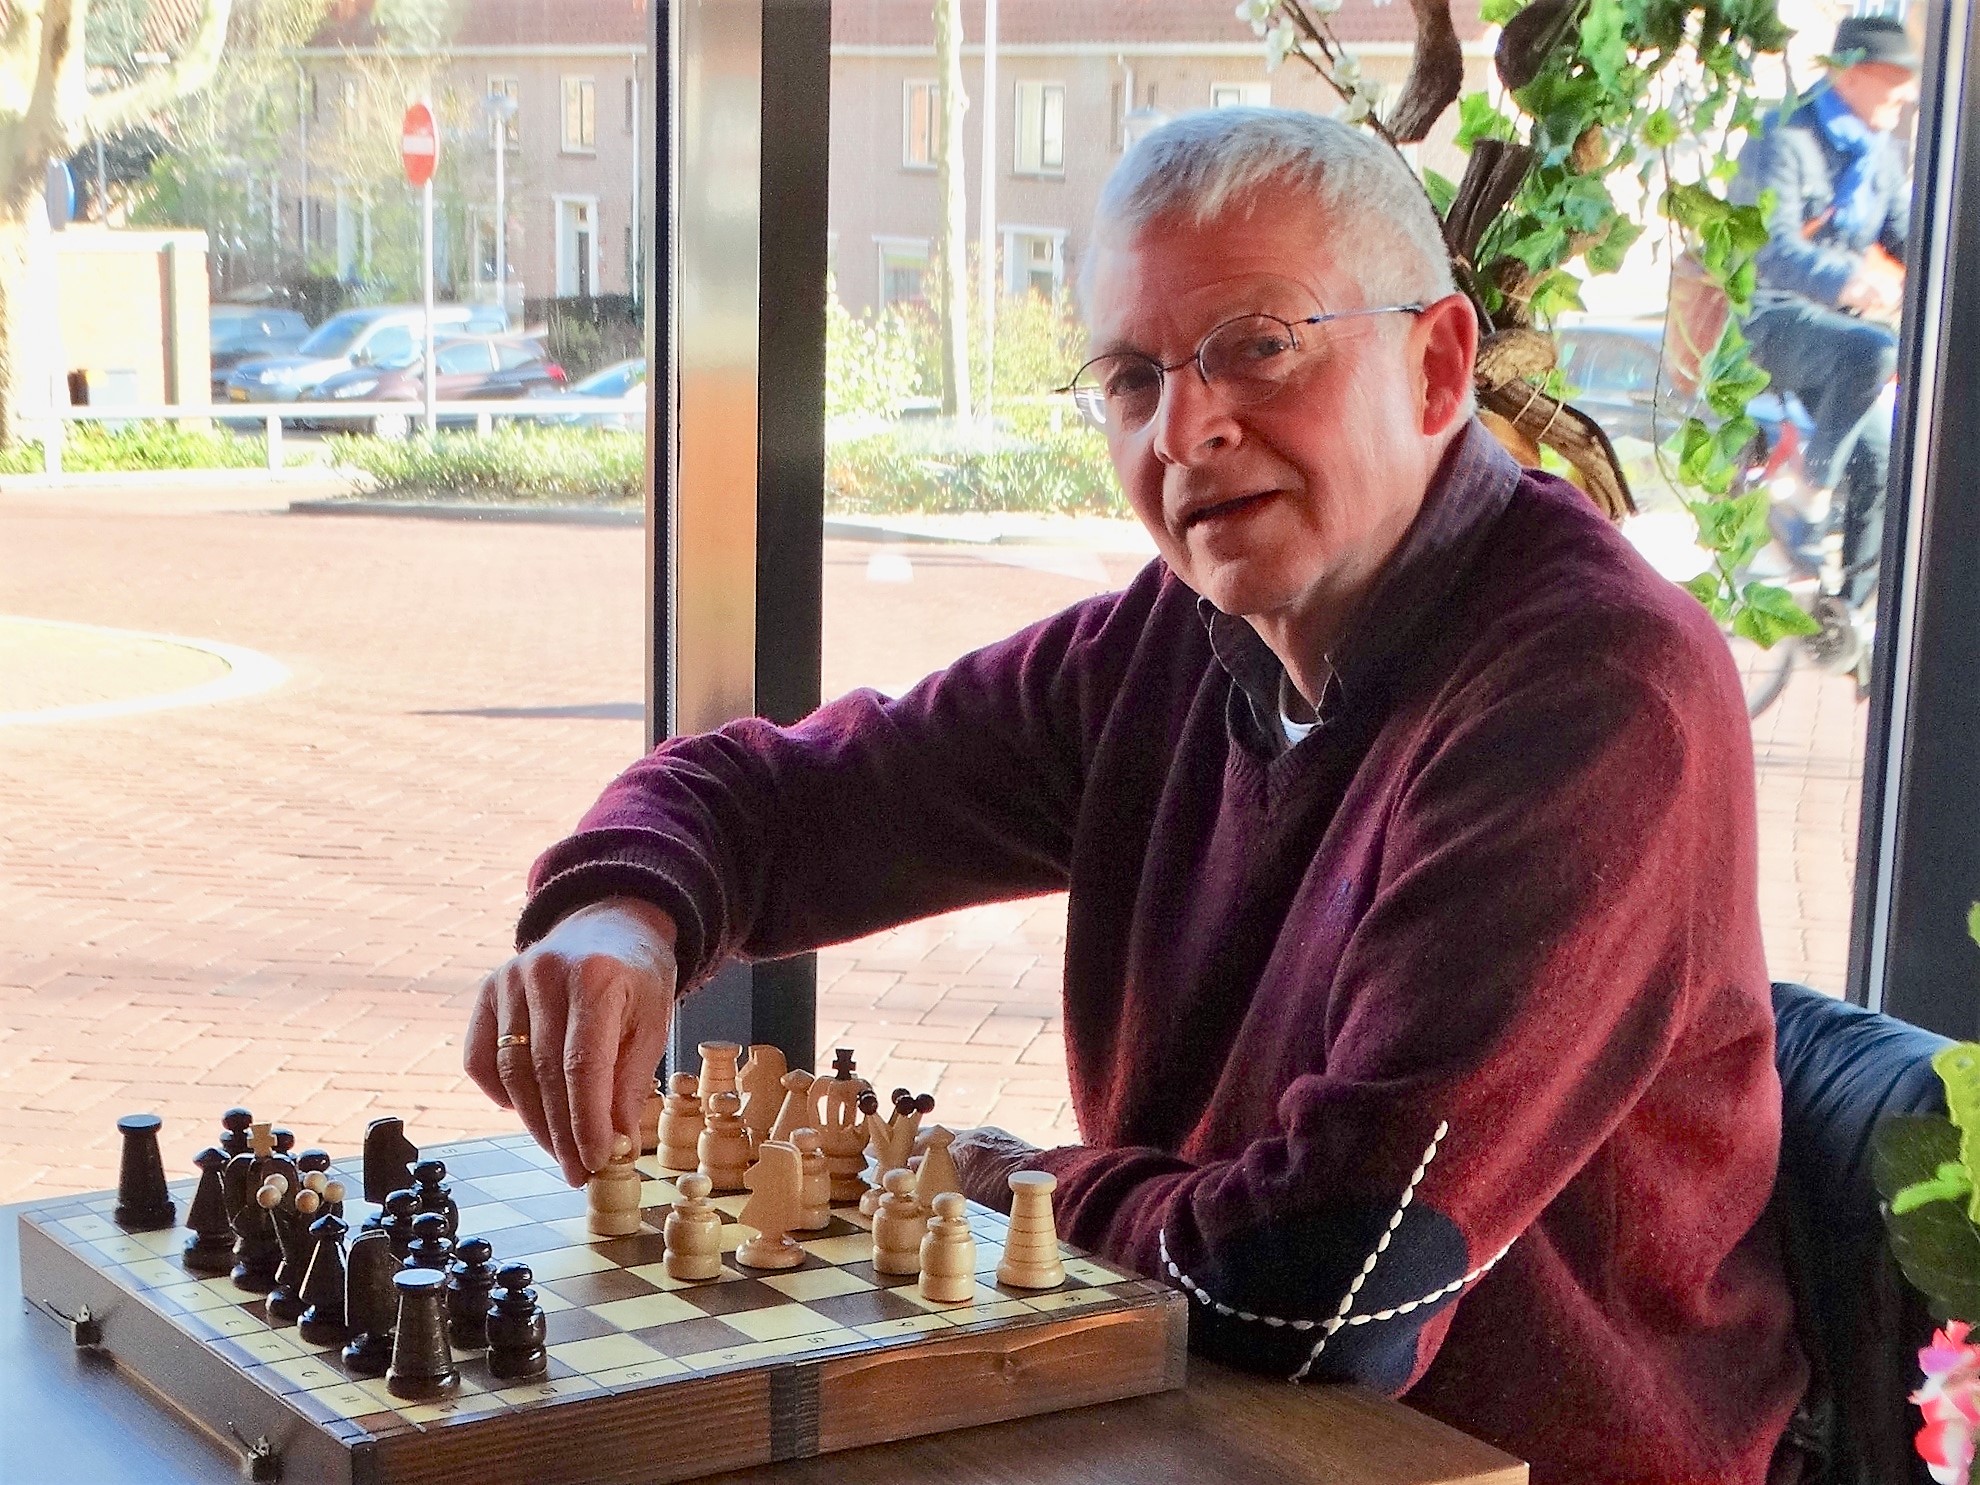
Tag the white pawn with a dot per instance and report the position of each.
(948, 1253)
(1031, 1248)
(815, 1190)
(649, 1119)
(681, 1120)
(724, 1147)
(693, 1233)
(612, 1195)
(898, 1226)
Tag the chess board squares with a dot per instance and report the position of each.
(658, 1194)
(475, 1163)
(984, 1295)
(139, 1247)
(511, 1185)
(633, 1252)
(598, 1287)
(779, 1322)
(91, 1228)
(574, 1324)
(300, 1374)
(641, 1374)
(1087, 1271)
(851, 1248)
(489, 1218)
(550, 1390)
(605, 1353)
(155, 1273)
(458, 1408)
(564, 1263)
(646, 1311)
(525, 1149)
(192, 1299)
(214, 1325)
(1067, 1299)
(255, 1348)
(807, 1284)
(657, 1275)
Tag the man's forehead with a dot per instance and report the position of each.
(1166, 280)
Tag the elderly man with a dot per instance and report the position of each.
(1414, 999)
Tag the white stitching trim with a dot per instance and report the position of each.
(1345, 1315)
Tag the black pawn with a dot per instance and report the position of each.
(285, 1139)
(322, 1324)
(371, 1304)
(422, 1363)
(143, 1204)
(430, 1246)
(210, 1250)
(516, 1327)
(397, 1220)
(435, 1195)
(284, 1300)
(239, 1136)
(257, 1250)
(313, 1160)
(470, 1291)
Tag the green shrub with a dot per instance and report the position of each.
(88, 448)
(515, 462)
(903, 469)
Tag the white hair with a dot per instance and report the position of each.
(1207, 165)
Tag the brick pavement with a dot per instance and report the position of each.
(287, 900)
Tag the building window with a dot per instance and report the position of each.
(920, 125)
(580, 114)
(1241, 95)
(1034, 260)
(903, 270)
(1040, 147)
(577, 246)
(511, 89)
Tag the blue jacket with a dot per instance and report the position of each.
(1806, 258)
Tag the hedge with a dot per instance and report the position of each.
(513, 463)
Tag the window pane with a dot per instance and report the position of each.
(356, 733)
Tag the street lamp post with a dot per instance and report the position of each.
(502, 108)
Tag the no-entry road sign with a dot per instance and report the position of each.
(419, 144)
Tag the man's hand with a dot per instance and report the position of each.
(1876, 289)
(568, 1032)
(985, 1157)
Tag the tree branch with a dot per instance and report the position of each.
(107, 113)
(1436, 73)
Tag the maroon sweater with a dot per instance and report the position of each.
(1433, 1052)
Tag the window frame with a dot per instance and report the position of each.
(1250, 86)
(581, 87)
(509, 85)
(1031, 97)
(929, 89)
(886, 243)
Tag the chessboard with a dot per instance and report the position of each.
(651, 1379)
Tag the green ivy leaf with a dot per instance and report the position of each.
(1602, 41)
(1660, 129)
(1935, 1244)
(1768, 614)
(1441, 190)
(1973, 922)
(1498, 12)
(1556, 291)
(1478, 119)
(1707, 589)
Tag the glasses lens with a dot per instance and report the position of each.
(1123, 390)
(1249, 359)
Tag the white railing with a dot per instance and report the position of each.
(272, 416)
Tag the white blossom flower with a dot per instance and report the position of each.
(1282, 40)
(1257, 12)
(1323, 8)
(1347, 72)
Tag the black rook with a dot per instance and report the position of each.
(143, 1204)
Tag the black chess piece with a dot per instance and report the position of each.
(371, 1304)
(257, 1250)
(143, 1203)
(516, 1327)
(435, 1195)
(313, 1160)
(422, 1362)
(842, 1064)
(284, 1301)
(470, 1291)
(285, 1139)
(238, 1138)
(237, 1182)
(388, 1159)
(210, 1250)
(430, 1246)
(322, 1323)
(397, 1219)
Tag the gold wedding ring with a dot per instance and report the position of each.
(514, 1039)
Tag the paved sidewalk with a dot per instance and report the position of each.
(287, 900)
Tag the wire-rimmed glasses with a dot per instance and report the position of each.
(1245, 360)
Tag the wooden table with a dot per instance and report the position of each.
(68, 1418)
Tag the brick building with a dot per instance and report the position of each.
(1072, 81)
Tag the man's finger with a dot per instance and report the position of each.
(640, 1051)
(601, 1015)
(478, 1051)
(551, 987)
(514, 1068)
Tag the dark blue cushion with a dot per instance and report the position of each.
(1842, 1069)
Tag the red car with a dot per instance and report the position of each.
(478, 367)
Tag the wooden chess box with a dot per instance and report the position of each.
(651, 1379)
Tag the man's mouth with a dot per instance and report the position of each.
(1236, 505)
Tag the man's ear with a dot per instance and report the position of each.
(1447, 337)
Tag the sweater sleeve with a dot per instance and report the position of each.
(1772, 161)
(1510, 991)
(763, 841)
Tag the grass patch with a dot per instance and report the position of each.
(905, 470)
(90, 448)
(514, 463)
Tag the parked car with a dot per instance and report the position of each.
(243, 332)
(623, 382)
(387, 336)
(479, 367)
(1612, 367)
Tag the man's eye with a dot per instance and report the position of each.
(1131, 379)
(1258, 346)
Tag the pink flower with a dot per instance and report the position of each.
(1950, 1402)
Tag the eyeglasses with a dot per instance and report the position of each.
(1245, 360)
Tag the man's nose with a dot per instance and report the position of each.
(1192, 419)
